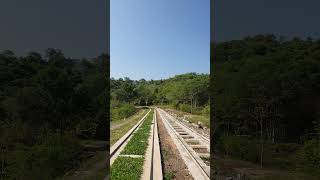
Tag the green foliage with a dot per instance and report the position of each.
(206, 110)
(46, 160)
(239, 147)
(281, 155)
(139, 142)
(131, 168)
(184, 107)
(127, 168)
(41, 101)
(188, 92)
(289, 156)
(268, 89)
(308, 157)
(118, 132)
(122, 111)
(168, 175)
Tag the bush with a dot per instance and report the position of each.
(86, 129)
(47, 160)
(308, 157)
(206, 110)
(187, 108)
(240, 147)
(122, 111)
(288, 156)
(184, 107)
(280, 155)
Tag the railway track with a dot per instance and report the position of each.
(116, 149)
(152, 168)
(193, 147)
(152, 165)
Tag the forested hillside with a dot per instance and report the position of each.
(187, 92)
(47, 106)
(266, 101)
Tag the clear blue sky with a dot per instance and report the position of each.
(156, 39)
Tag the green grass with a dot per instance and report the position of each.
(122, 110)
(117, 133)
(139, 141)
(126, 168)
(194, 118)
(131, 168)
(168, 175)
(165, 153)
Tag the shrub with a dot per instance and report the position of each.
(47, 160)
(184, 107)
(240, 147)
(122, 111)
(288, 156)
(308, 157)
(86, 128)
(206, 110)
(187, 108)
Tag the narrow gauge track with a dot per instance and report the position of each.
(117, 147)
(152, 165)
(201, 137)
(193, 147)
(152, 168)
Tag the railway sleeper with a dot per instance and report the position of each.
(186, 136)
(198, 146)
(204, 155)
(198, 150)
(180, 131)
(192, 140)
(183, 133)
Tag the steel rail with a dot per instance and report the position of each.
(196, 166)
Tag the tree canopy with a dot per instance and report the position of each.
(47, 104)
(266, 88)
(190, 88)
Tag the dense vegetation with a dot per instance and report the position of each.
(265, 95)
(47, 105)
(187, 92)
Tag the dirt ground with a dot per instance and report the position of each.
(228, 168)
(172, 164)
